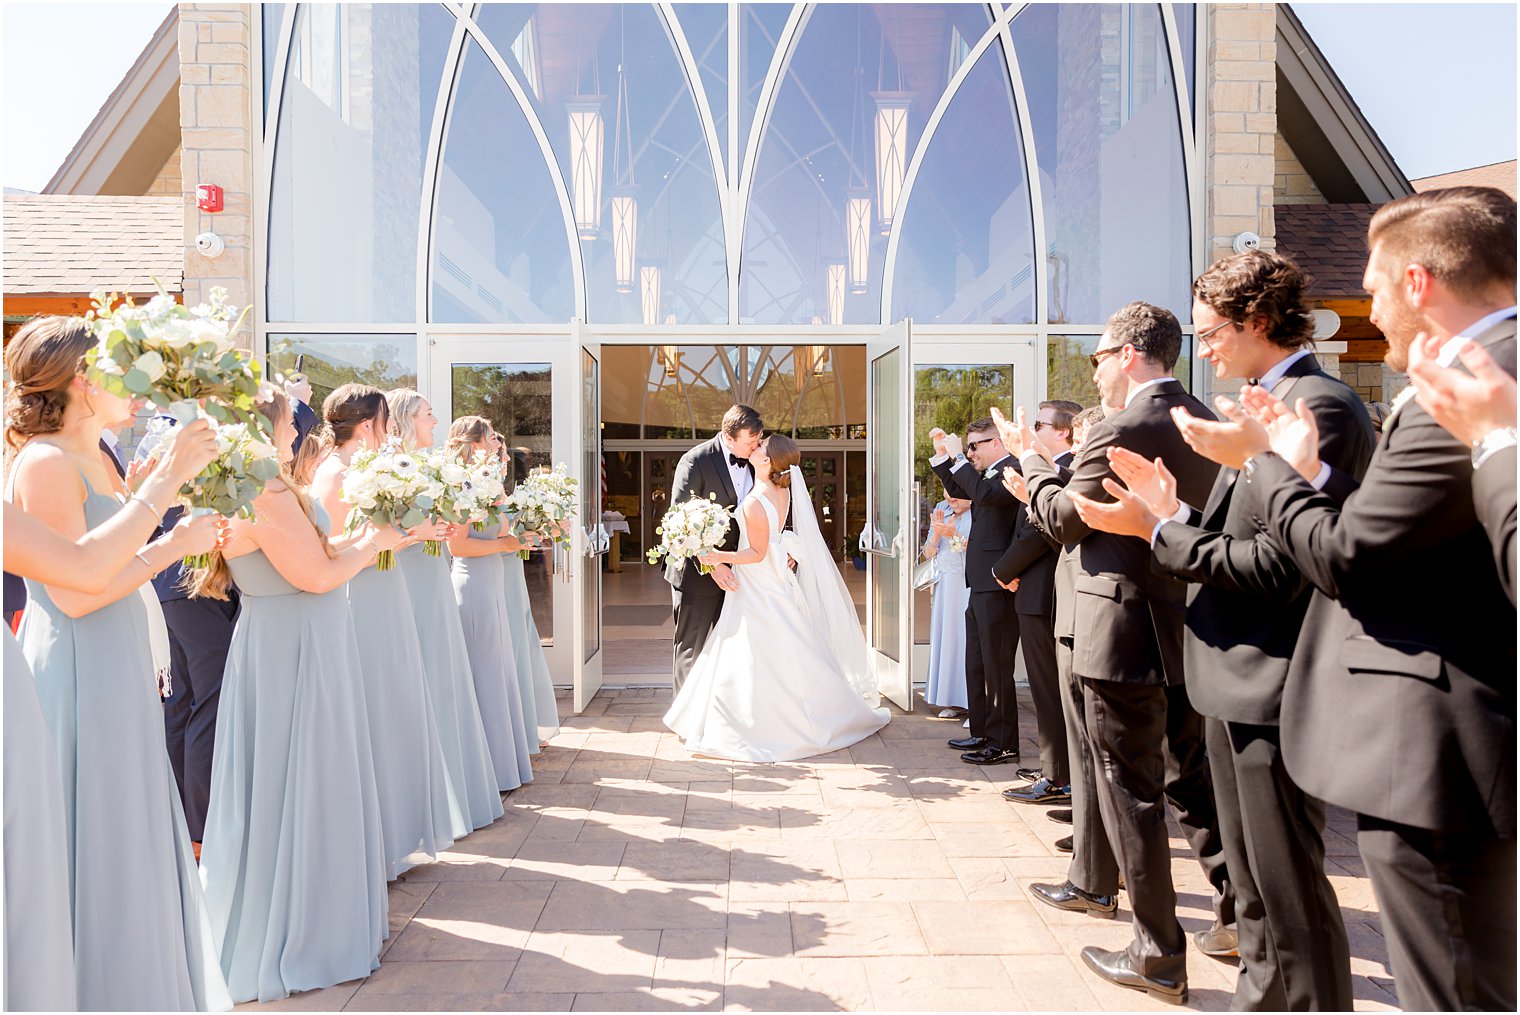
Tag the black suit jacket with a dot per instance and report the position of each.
(1247, 606)
(1494, 502)
(1400, 700)
(306, 421)
(1031, 558)
(1127, 616)
(994, 515)
(701, 471)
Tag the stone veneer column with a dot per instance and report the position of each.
(1240, 144)
(216, 132)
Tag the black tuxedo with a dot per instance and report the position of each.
(1243, 619)
(306, 422)
(1400, 699)
(696, 599)
(1031, 559)
(1127, 649)
(992, 624)
(1494, 502)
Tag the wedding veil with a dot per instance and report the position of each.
(828, 599)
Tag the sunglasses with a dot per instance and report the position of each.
(973, 445)
(1101, 354)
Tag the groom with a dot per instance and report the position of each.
(719, 466)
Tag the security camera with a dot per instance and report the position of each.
(210, 245)
(1246, 241)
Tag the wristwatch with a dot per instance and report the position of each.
(1504, 437)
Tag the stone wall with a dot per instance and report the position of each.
(1241, 141)
(1293, 183)
(215, 114)
(170, 181)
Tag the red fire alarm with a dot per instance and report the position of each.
(208, 197)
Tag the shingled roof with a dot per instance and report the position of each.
(1495, 174)
(1329, 241)
(57, 245)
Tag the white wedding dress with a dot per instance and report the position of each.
(785, 673)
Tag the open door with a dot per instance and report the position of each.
(891, 505)
(583, 557)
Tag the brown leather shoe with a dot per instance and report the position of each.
(1218, 942)
(1115, 967)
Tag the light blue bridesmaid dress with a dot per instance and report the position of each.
(528, 652)
(451, 686)
(480, 592)
(39, 932)
(416, 799)
(294, 857)
(946, 685)
(142, 940)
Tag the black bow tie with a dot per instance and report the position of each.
(734, 459)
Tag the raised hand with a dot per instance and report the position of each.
(1018, 436)
(938, 437)
(1229, 441)
(952, 444)
(1292, 433)
(1128, 515)
(1468, 407)
(1014, 483)
(1150, 481)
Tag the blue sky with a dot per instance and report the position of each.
(1437, 81)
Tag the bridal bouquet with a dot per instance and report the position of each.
(387, 487)
(691, 530)
(460, 495)
(180, 358)
(541, 503)
(244, 462)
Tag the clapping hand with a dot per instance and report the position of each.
(1149, 496)
(941, 527)
(1017, 435)
(1468, 407)
(1014, 483)
(1151, 481)
(938, 437)
(1229, 441)
(1292, 433)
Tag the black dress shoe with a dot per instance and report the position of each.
(990, 755)
(1068, 896)
(1042, 792)
(1218, 942)
(1115, 967)
(1061, 815)
(1065, 845)
(1028, 774)
(968, 743)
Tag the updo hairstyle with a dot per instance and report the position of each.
(42, 361)
(783, 453)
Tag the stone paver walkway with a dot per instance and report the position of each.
(630, 876)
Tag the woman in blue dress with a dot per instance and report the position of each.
(946, 546)
(410, 772)
(527, 646)
(38, 927)
(481, 595)
(446, 660)
(294, 859)
(142, 940)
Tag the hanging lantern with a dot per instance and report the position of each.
(858, 241)
(586, 130)
(891, 152)
(625, 227)
(820, 359)
(836, 293)
(802, 365)
(649, 283)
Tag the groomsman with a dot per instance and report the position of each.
(298, 391)
(992, 621)
(1244, 615)
(1029, 566)
(1400, 701)
(1128, 652)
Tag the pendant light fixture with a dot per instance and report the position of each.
(625, 205)
(857, 224)
(891, 133)
(586, 150)
(649, 287)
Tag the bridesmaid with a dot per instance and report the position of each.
(415, 794)
(38, 927)
(446, 660)
(294, 857)
(481, 594)
(141, 937)
(946, 686)
(527, 646)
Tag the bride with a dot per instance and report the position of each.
(785, 674)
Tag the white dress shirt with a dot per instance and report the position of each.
(743, 474)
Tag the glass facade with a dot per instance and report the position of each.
(510, 164)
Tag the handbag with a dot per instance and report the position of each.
(924, 575)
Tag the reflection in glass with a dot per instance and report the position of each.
(967, 250)
(500, 253)
(274, 17)
(356, 113)
(1186, 16)
(859, 89)
(760, 27)
(1102, 103)
(1069, 372)
(591, 506)
(518, 400)
(706, 30)
(381, 361)
(886, 523)
(621, 119)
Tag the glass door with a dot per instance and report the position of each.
(591, 539)
(534, 392)
(890, 509)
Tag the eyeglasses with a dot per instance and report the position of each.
(1204, 336)
(973, 445)
(1041, 424)
(1098, 356)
